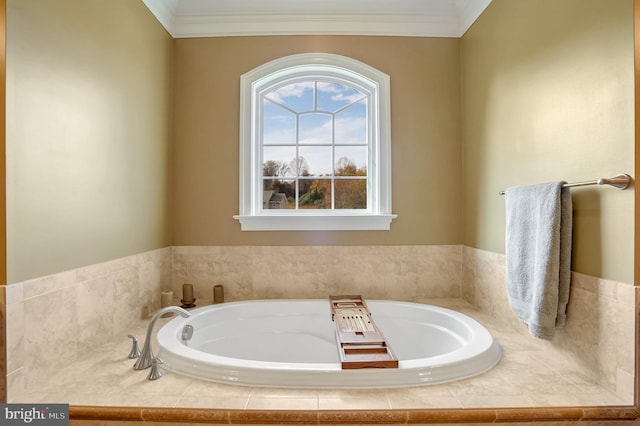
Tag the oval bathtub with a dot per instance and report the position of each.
(292, 343)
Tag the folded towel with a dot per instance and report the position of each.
(538, 255)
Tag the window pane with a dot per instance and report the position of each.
(332, 96)
(279, 194)
(317, 160)
(300, 167)
(351, 124)
(315, 129)
(316, 195)
(351, 161)
(279, 125)
(296, 96)
(351, 194)
(279, 161)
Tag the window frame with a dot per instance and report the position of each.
(262, 79)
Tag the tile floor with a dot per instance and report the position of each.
(525, 377)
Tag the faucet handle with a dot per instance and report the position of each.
(155, 372)
(135, 351)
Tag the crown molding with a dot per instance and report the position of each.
(184, 19)
(165, 12)
(469, 12)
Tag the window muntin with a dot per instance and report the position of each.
(332, 96)
(315, 131)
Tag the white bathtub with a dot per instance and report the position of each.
(292, 343)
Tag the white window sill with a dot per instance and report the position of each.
(316, 223)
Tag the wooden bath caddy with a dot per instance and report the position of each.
(361, 343)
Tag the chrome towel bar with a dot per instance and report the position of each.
(621, 181)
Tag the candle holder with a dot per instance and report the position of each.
(166, 299)
(218, 294)
(186, 305)
(188, 301)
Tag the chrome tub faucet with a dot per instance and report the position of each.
(146, 356)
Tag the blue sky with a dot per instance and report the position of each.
(334, 110)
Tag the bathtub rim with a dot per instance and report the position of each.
(324, 376)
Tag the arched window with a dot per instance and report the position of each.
(315, 150)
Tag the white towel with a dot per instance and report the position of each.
(538, 255)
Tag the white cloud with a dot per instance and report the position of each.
(339, 93)
(296, 90)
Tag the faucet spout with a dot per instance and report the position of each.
(146, 356)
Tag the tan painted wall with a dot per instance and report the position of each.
(88, 135)
(548, 95)
(425, 109)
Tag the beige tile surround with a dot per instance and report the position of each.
(53, 321)
(258, 272)
(598, 338)
(72, 313)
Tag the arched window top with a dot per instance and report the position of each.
(305, 65)
(315, 145)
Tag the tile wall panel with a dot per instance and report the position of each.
(273, 272)
(53, 319)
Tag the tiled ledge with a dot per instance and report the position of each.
(102, 385)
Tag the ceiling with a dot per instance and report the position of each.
(217, 18)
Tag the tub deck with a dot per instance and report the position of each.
(525, 377)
